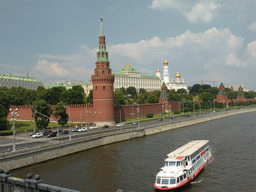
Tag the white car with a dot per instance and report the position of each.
(37, 135)
(120, 125)
(82, 129)
(94, 127)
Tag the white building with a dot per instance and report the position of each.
(176, 83)
(129, 77)
(15, 81)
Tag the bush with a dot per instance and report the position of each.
(8, 132)
(176, 111)
(150, 115)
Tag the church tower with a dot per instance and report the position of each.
(166, 77)
(103, 80)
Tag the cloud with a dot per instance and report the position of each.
(233, 61)
(251, 48)
(194, 12)
(50, 69)
(161, 4)
(202, 11)
(252, 26)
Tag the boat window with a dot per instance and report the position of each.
(184, 176)
(165, 181)
(178, 180)
(166, 164)
(158, 180)
(181, 178)
(198, 157)
(171, 164)
(178, 164)
(172, 181)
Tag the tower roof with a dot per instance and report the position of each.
(101, 28)
(177, 75)
(221, 84)
(165, 62)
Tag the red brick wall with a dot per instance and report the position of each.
(78, 112)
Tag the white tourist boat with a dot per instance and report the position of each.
(183, 165)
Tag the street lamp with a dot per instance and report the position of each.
(210, 105)
(183, 108)
(194, 109)
(13, 118)
(138, 110)
(200, 106)
(163, 110)
(69, 121)
(35, 119)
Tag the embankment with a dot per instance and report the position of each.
(46, 152)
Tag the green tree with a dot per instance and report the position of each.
(89, 99)
(231, 94)
(60, 113)
(72, 96)
(44, 110)
(207, 96)
(119, 98)
(131, 91)
(141, 90)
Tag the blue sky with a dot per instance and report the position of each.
(58, 39)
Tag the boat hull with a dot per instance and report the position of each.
(191, 178)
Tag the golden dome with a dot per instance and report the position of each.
(165, 62)
(177, 75)
(127, 66)
(158, 70)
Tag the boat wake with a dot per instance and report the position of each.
(196, 182)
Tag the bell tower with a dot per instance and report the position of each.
(103, 80)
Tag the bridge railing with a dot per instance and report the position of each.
(8, 183)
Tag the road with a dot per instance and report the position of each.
(24, 140)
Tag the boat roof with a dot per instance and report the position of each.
(188, 149)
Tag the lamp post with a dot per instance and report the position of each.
(214, 107)
(35, 119)
(163, 110)
(132, 114)
(200, 106)
(86, 118)
(13, 118)
(183, 108)
(210, 106)
(69, 121)
(138, 110)
(194, 109)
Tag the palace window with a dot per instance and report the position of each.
(103, 87)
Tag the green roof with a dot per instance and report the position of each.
(118, 73)
(17, 78)
(145, 75)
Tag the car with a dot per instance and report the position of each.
(46, 132)
(135, 123)
(94, 127)
(82, 129)
(105, 126)
(34, 132)
(37, 135)
(160, 119)
(52, 134)
(196, 113)
(172, 117)
(75, 129)
(187, 115)
(120, 125)
(65, 132)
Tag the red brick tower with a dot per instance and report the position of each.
(103, 80)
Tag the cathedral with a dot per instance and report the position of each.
(176, 83)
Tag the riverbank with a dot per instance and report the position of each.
(25, 157)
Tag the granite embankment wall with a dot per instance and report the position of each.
(30, 156)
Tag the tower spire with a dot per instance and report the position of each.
(27, 73)
(101, 28)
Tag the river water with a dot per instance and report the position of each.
(132, 165)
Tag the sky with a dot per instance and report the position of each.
(57, 40)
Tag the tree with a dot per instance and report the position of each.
(72, 96)
(119, 98)
(131, 91)
(45, 111)
(60, 113)
(89, 99)
(231, 94)
(4, 123)
(207, 96)
(141, 90)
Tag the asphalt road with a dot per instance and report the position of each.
(24, 140)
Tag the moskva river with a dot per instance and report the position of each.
(132, 165)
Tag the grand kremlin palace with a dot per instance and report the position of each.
(126, 77)
(9, 81)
